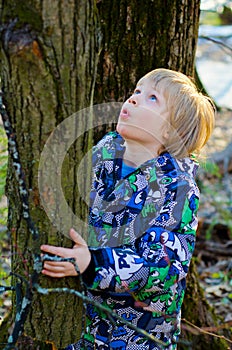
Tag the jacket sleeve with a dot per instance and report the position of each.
(157, 259)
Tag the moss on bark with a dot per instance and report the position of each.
(48, 61)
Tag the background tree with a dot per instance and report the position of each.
(49, 57)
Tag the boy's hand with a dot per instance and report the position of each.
(80, 252)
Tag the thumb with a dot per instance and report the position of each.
(76, 237)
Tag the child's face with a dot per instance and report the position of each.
(143, 116)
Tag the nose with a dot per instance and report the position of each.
(133, 100)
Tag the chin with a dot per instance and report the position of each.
(120, 128)
(125, 131)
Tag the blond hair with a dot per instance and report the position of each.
(191, 113)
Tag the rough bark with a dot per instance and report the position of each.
(48, 60)
(138, 37)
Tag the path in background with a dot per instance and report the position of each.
(214, 62)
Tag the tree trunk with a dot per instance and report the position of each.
(139, 37)
(48, 60)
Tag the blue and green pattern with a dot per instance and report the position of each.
(142, 233)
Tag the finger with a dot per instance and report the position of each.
(53, 274)
(66, 267)
(51, 264)
(53, 268)
(60, 251)
(59, 270)
(76, 237)
(66, 270)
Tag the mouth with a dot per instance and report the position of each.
(124, 114)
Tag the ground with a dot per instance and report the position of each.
(214, 243)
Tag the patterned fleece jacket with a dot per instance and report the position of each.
(142, 236)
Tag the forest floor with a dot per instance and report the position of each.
(214, 241)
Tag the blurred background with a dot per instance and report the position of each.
(214, 53)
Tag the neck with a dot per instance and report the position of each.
(137, 154)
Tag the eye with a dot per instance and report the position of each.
(153, 98)
(137, 91)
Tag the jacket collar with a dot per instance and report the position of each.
(164, 163)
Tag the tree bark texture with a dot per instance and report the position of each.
(138, 37)
(48, 61)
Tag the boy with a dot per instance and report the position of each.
(142, 221)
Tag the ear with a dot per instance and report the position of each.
(165, 133)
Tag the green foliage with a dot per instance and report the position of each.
(211, 168)
(222, 209)
(3, 161)
(210, 18)
(3, 217)
(3, 171)
(217, 18)
(4, 244)
(216, 196)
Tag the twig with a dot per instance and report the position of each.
(216, 41)
(197, 330)
(100, 307)
(22, 313)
